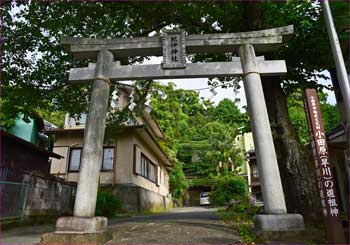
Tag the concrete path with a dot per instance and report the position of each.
(25, 235)
(193, 225)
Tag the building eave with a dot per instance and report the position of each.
(153, 124)
(29, 144)
(336, 137)
(144, 132)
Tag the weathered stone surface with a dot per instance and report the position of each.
(136, 198)
(192, 70)
(263, 41)
(48, 196)
(291, 236)
(81, 224)
(91, 155)
(309, 235)
(279, 222)
(76, 238)
(270, 179)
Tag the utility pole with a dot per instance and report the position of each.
(343, 83)
(338, 58)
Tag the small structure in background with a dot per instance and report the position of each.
(249, 168)
(25, 138)
(133, 163)
(337, 146)
(255, 198)
(27, 190)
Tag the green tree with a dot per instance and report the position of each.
(174, 114)
(177, 180)
(227, 112)
(329, 113)
(194, 137)
(221, 138)
(228, 188)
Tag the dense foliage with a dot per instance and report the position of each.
(228, 188)
(107, 204)
(177, 180)
(329, 113)
(34, 64)
(199, 134)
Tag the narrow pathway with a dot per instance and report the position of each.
(183, 225)
(25, 234)
(191, 225)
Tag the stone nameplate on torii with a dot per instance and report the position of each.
(174, 50)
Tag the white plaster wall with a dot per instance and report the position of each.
(162, 189)
(71, 138)
(123, 166)
(124, 159)
(58, 166)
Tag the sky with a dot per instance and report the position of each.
(222, 93)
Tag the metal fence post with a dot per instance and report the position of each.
(26, 185)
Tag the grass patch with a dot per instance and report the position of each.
(128, 214)
(156, 210)
(221, 210)
(240, 217)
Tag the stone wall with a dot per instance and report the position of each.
(48, 195)
(136, 198)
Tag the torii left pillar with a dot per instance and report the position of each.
(84, 227)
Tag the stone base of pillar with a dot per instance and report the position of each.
(278, 222)
(285, 237)
(79, 230)
(76, 238)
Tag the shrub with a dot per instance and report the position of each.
(228, 188)
(203, 182)
(240, 216)
(247, 234)
(177, 180)
(107, 203)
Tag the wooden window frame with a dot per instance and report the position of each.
(103, 152)
(81, 150)
(70, 156)
(148, 169)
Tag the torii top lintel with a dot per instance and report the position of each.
(264, 41)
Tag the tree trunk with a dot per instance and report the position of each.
(295, 161)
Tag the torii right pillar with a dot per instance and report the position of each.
(275, 217)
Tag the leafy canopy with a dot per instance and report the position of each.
(35, 65)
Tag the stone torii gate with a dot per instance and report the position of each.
(173, 46)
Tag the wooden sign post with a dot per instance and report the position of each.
(325, 177)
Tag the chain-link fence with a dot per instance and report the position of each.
(13, 199)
